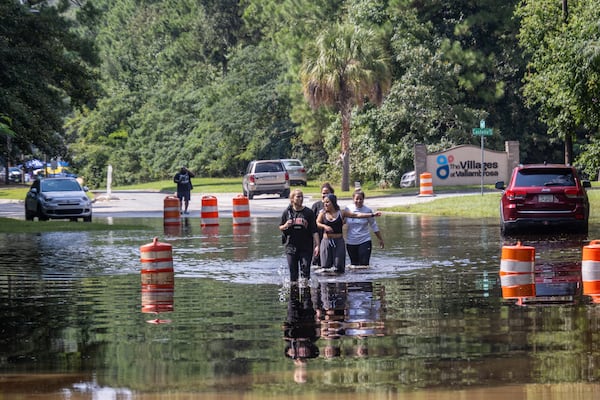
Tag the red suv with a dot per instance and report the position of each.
(544, 196)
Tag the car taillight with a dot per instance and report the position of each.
(302, 170)
(287, 176)
(573, 193)
(251, 179)
(515, 195)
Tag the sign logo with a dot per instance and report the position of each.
(443, 170)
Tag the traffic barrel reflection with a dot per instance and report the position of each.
(241, 237)
(518, 286)
(157, 263)
(157, 278)
(157, 300)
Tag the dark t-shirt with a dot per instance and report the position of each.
(300, 235)
(184, 181)
(316, 209)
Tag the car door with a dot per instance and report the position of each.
(31, 199)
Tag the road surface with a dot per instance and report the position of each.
(127, 204)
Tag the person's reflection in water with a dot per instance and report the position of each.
(332, 314)
(185, 226)
(301, 330)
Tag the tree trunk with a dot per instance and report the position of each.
(346, 113)
(568, 148)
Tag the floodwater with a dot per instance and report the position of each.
(427, 320)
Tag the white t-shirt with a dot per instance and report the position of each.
(358, 228)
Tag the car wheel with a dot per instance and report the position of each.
(583, 229)
(506, 230)
(285, 193)
(87, 219)
(41, 216)
(29, 216)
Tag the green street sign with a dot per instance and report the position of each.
(483, 131)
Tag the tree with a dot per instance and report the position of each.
(562, 78)
(344, 67)
(43, 75)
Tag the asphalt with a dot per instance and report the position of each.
(128, 204)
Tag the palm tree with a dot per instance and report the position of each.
(343, 68)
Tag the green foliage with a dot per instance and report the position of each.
(42, 75)
(216, 83)
(564, 67)
(345, 67)
(245, 116)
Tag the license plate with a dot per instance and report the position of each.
(545, 198)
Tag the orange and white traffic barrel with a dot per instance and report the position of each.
(171, 215)
(241, 210)
(517, 286)
(590, 270)
(157, 264)
(425, 184)
(517, 259)
(210, 211)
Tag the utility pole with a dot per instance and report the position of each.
(568, 133)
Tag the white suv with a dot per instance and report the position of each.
(266, 177)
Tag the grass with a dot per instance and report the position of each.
(468, 206)
(479, 206)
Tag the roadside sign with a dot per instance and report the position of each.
(483, 131)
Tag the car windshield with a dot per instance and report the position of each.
(546, 177)
(293, 163)
(268, 167)
(60, 185)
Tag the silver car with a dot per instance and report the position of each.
(57, 198)
(266, 177)
(409, 179)
(296, 170)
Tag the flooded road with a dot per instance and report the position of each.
(430, 319)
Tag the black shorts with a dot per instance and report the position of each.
(185, 195)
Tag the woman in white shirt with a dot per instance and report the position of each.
(358, 235)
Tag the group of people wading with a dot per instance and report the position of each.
(315, 236)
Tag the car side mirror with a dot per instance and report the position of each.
(500, 185)
(586, 184)
(33, 191)
(86, 189)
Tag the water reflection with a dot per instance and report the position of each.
(428, 316)
(301, 331)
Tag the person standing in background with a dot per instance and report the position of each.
(183, 179)
(300, 237)
(317, 206)
(358, 235)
